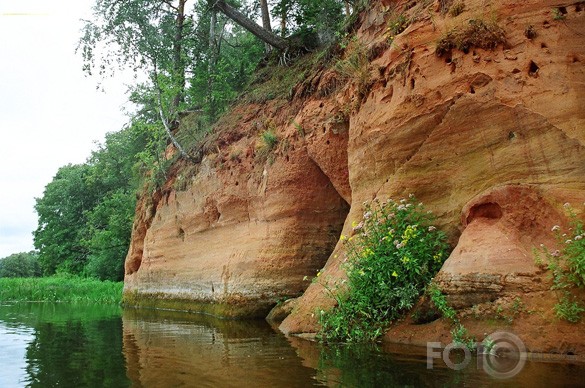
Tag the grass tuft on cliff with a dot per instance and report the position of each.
(476, 33)
(60, 288)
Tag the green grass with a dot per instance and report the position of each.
(69, 289)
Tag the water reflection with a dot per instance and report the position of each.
(50, 345)
(62, 345)
(172, 349)
(390, 365)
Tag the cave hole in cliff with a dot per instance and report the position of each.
(471, 89)
(563, 10)
(448, 58)
(533, 69)
(412, 83)
(490, 210)
(578, 7)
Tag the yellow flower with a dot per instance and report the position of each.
(394, 274)
(343, 238)
(405, 260)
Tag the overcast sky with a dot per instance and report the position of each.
(50, 113)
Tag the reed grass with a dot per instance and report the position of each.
(69, 289)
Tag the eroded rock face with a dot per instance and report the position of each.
(233, 244)
(492, 141)
(494, 256)
(497, 136)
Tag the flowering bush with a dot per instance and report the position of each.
(567, 266)
(393, 255)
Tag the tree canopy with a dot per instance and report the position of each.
(86, 211)
(20, 265)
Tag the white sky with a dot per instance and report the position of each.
(50, 113)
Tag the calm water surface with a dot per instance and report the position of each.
(52, 345)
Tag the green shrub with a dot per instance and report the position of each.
(459, 333)
(566, 266)
(392, 257)
(269, 139)
(568, 308)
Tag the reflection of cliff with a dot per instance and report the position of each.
(392, 365)
(492, 141)
(164, 349)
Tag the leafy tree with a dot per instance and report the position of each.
(109, 226)
(20, 265)
(85, 213)
(310, 19)
(61, 212)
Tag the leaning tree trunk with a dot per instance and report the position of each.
(178, 62)
(266, 21)
(262, 34)
(213, 54)
(347, 8)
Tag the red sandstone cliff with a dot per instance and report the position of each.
(493, 141)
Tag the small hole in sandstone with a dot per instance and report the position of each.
(543, 45)
(384, 82)
(533, 69)
(448, 58)
(578, 8)
(324, 129)
(511, 135)
(412, 83)
(237, 183)
(563, 10)
(575, 59)
(515, 71)
(327, 142)
(321, 105)
(471, 89)
(490, 210)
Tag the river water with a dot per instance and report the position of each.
(58, 345)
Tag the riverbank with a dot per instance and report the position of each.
(70, 289)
